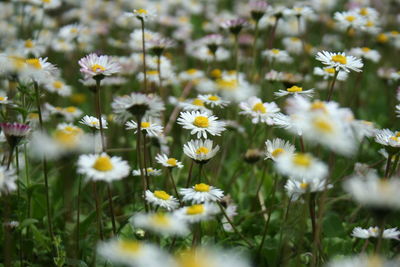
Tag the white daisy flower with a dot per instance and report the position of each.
(366, 52)
(161, 223)
(194, 105)
(150, 172)
(391, 233)
(93, 122)
(168, 162)
(213, 101)
(339, 61)
(259, 112)
(293, 44)
(4, 100)
(93, 66)
(162, 199)
(102, 167)
(294, 90)
(328, 72)
(200, 123)
(201, 193)
(197, 212)
(134, 253)
(363, 260)
(69, 113)
(191, 74)
(7, 180)
(374, 192)
(301, 166)
(277, 55)
(200, 150)
(277, 147)
(39, 70)
(296, 188)
(348, 19)
(387, 138)
(142, 14)
(148, 126)
(58, 86)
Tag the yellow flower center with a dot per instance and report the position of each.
(227, 84)
(277, 152)
(350, 18)
(142, 11)
(304, 186)
(382, 38)
(302, 160)
(161, 195)
(129, 246)
(294, 89)
(94, 123)
(172, 161)
(103, 164)
(216, 73)
(275, 51)
(33, 116)
(202, 187)
(330, 70)
(152, 72)
(394, 33)
(213, 98)
(369, 23)
(57, 84)
(46, 1)
(202, 150)
(71, 109)
(73, 129)
(195, 209)
(145, 124)
(259, 107)
(29, 44)
(78, 98)
(160, 219)
(34, 62)
(191, 71)
(198, 102)
(97, 67)
(2, 98)
(201, 121)
(66, 139)
(395, 138)
(318, 105)
(339, 59)
(366, 49)
(295, 39)
(323, 125)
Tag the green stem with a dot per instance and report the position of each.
(98, 211)
(330, 92)
(98, 113)
(174, 185)
(144, 56)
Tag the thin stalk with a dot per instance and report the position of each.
(330, 92)
(8, 247)
(273, 31)
(159, 76)
(189, 179)
(144, 56)
(44, 164)
(378, 245)
(174, 185)
(388, 164)
(311, 207)
(98, 113)
(255, 48)
(139, 158)
(110, 201)
(237, 56)
(78, 215)
(145, 160)
(394, 167)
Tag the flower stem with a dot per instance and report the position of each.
(332, 85)
(78, 213)
(174, 185)
(98, 211)
(98, 113)
(110, 201)
(139, 158)
(388, 164)
(144, 56)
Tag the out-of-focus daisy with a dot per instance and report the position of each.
(31, 47)
(301, 166)
(328, 72)
(168, 162)
(367, 53)
(142, 14)
(137, 104)
(197, 212)
(133, 253)
(201, 123)
(94, 66)
(200, 151)
(391, 233)
(147, 126)
(201, 193)
(150, 172)
(7, 180)
(293, 44)
(339, 61)
(277, 147)
(234, 25)
(294, 90)
(58, 86)
(191, 75)
(258, 9)
(102, 167)
(47, 4)
(387, 138)
(93, 122)
(213, 100)
(39, 69)
(374, 192)
(193, 105)
(4, 100)
(296, 188)
(70, 113)
(348, 19)
(259, 112)
(363, 260)
(161, 223)
(162, 199)
(277, 55)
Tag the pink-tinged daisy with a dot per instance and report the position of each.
(94, 66)
(14, 132)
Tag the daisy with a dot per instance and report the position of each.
(58, 86)
(197, 212)
(328, 72)
(193, 105)
(14, 132)
(150, 172)
(278, 147)
(339, 61)
(200, 150)
(39, 69)
(93, 122)
(137, 104)
(363, 260)
(133, 253)
(348, 19)
(201, 123)
(296, 188)
(201, 193)
(142, 14)
(258, 9)
(234, 25)
(4, 100)
(374, 192)
(162, 199)
(147, 126)
(168, 162)
(94, 66)
(366, 52)
(162, 223)
(293, 44)
(212, 41)
(231, 211)
(387, 138)
(277, 55)
(213, 101)
(191, 74)
(391, 233)
(102, 167)
(301, 166)
(7, 180)
(294, 90)
(259, 112)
